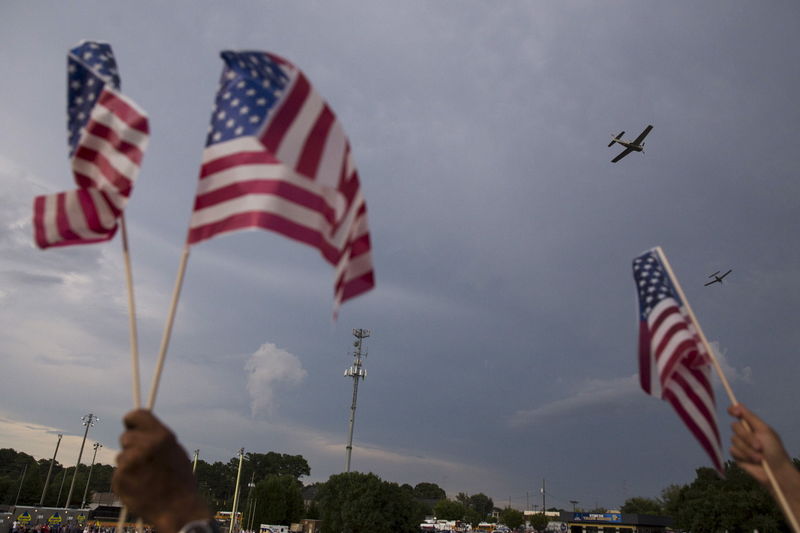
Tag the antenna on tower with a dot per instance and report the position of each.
(356, 371)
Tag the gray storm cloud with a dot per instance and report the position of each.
(268, 370)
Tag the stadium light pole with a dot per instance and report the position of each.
(61, 487)
(355, 372)
(21, 482)
(88, 421)
(50, 471)
(89, 477)
(236, 492)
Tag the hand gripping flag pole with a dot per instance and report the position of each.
(276, 158)
(671, 363)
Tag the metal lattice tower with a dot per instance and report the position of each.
(356, 371)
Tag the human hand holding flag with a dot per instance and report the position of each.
(675, 360)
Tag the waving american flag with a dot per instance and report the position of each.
(276, 158)
(107, 135)
(673, 364)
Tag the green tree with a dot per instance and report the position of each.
(279, 501)
(429, 491)
(511, 517)
(735, 503)
(539, 521)
(639, 505)
(263, 465)
(481, 503)
(363, 503)
(449, 510)
(670, 499)
(473, 517)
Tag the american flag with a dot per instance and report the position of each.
(673, 364)
(107, 135)
(276, 158)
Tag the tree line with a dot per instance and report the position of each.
(710, 503)
(22, 479)
(271, 492)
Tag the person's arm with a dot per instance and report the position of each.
(762, 443)
(154, 476)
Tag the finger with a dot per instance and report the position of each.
(743, 451)
(746, 435)
(141, 419)
(127, 440)
(755, 423)
(756, 472)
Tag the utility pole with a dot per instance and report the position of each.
(543, 506)
(250, 487)
(236, 492)
(50, 471)
(253, 513)
(355, 372)
(88, 421)
(89, 478)
(574, 504)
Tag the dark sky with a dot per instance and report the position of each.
(503, 347)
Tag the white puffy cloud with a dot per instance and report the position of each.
(269, 369)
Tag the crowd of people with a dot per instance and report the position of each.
(71, 527)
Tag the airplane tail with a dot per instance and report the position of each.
(616, 138)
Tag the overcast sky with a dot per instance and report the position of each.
(504, 327)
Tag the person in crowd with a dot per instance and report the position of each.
(154, 478)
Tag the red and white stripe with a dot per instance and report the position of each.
(674, 366)
(298, 179)
(105, 165)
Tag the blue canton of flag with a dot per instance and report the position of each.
(90, 66)
(250, 86)
(652, 283)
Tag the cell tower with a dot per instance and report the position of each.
(355, 372)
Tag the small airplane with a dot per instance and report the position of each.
(717, 278)
(630, 146)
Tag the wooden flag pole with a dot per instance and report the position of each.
(135, 378)
(162, 354)
(160, 365)
(137, 394)
(787, 510)
(702, 335)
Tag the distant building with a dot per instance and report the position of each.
(106, 499)
(609, 523)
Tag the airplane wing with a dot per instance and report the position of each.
(726, 273)
(642, 135)
(623, 154)
(710, 282)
